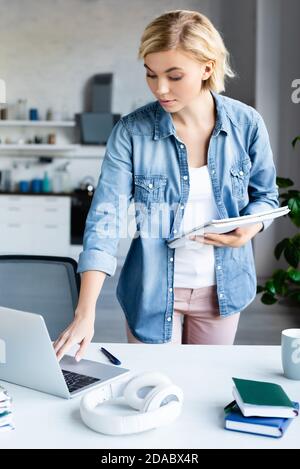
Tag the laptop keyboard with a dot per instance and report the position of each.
(76, 381)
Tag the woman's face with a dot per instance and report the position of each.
(175, 77)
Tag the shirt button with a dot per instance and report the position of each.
(221, 295)
(241, 173)
(174, 231)
(185, 178)
(219, 203)
(213, 171)
(169, 319)
(182, 207)
(181, 146)
(171, 259)
(219, 267)
(170, 289)
(150, 185)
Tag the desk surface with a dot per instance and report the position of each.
(204, 372)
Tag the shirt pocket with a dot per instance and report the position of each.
(240, 175)
(149, 191)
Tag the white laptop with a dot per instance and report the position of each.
(27, 358)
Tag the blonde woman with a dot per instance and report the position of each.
(189, 156)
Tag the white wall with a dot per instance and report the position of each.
(49, 50)
(277, 65)
(238, 27)
(267, 101)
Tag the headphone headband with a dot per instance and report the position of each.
(161, 405)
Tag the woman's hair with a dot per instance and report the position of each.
(192, 33)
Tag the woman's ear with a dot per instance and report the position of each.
(208, 69)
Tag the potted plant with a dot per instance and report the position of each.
(285, 283)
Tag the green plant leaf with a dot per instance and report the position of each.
(284, 290)
(279, 278)
(295, 220)
(294, 206)
(279, 274)
(296, 240)
(292, 254)
(259, 289)
(293, 274)
(295, 141)
(294, 295)
(268, 299)
(284, 182)
(279, 248)
(293, 193)
(270, 287)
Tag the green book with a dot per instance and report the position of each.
(262, 399)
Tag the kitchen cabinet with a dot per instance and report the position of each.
(35, 224)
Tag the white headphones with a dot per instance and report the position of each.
(160, 406)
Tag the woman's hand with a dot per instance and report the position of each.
(234, 239)
(80, 331)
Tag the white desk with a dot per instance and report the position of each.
(204, 373)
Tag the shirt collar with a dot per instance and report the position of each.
(164, 126)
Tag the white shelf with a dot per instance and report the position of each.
(37, 147)
(72, 151)
(25, 123)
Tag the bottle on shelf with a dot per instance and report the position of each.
(66, 179)
(21, 109)
(57, 182)
(52, 138)
(62, 179)
(46, 182)
(49, 114)
(16, 177)
(4, 113)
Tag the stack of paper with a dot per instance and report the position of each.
(6, 416)
(259, 407)
(225, 225)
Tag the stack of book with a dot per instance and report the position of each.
(259, 407)
(6, 416)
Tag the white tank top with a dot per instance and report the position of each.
(195, 263)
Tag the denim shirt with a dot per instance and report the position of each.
(146, 162)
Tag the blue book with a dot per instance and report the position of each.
(267, 426)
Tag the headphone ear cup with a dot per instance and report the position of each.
(139, 382)
(161, 406)
(161, 396)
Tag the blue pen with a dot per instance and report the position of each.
(111, 358)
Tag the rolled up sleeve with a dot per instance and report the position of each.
(262, 189)
(107, 218)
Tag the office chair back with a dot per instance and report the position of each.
(46, 285)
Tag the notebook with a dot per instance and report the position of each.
(268, 426)
(262, 399)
